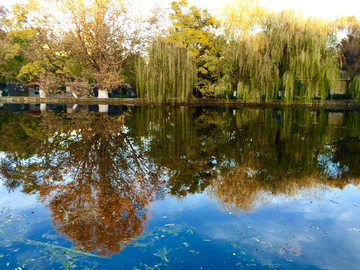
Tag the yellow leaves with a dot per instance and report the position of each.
(239, 17)
(209, 67)
(193, 28)
(25, 34)
(31, 71)
(202, 70)
(11, 50)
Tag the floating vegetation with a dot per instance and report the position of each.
(162, 253)
(47, 254)
(64, 249)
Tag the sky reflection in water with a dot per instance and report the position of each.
(173, 188)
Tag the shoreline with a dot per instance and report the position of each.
(330, 104)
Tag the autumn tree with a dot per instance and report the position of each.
(15, 41)
(195, 29)
(90, 42)
(241, 19)
(349, 47)
(192, 28)
(349, 50)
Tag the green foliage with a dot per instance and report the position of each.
(193, 29)
(354, 88)
(170, 74)
(31, 71)
(292, 55)
(15, 42)
(259, 55)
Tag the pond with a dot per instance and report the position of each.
(178, 188)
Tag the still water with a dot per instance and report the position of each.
(178, 188)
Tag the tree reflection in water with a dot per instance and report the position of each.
(98, 174)
(259, 153)
(91, 175)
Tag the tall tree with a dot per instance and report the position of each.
(292, 53)
(349, 47)
(169, 75)
(242, 18)
(91, 41)
(349, 50)
(194, 28)
(15, 40)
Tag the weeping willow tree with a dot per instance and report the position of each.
(354, 88)
(169, 75)
(293, 58)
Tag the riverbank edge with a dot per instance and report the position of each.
(331, 104)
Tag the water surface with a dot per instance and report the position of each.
(178, 188)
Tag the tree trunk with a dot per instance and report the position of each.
(103, 94)
(42, 93)
(103, 108)
(42, 106)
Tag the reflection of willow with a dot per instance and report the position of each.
(95, 181)
(20, 136)
(172, 141)
(280, 153)
(258, 151)
(283, 143)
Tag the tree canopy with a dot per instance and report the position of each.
(247, 51)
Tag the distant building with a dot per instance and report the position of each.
(16, 89)
(33, 88)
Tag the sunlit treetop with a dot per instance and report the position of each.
(350, 24)
(241, 18)
(90, 41)
(192, 28)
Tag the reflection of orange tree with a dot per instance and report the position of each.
(95, 181)
(282, 159)
(239, 192)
